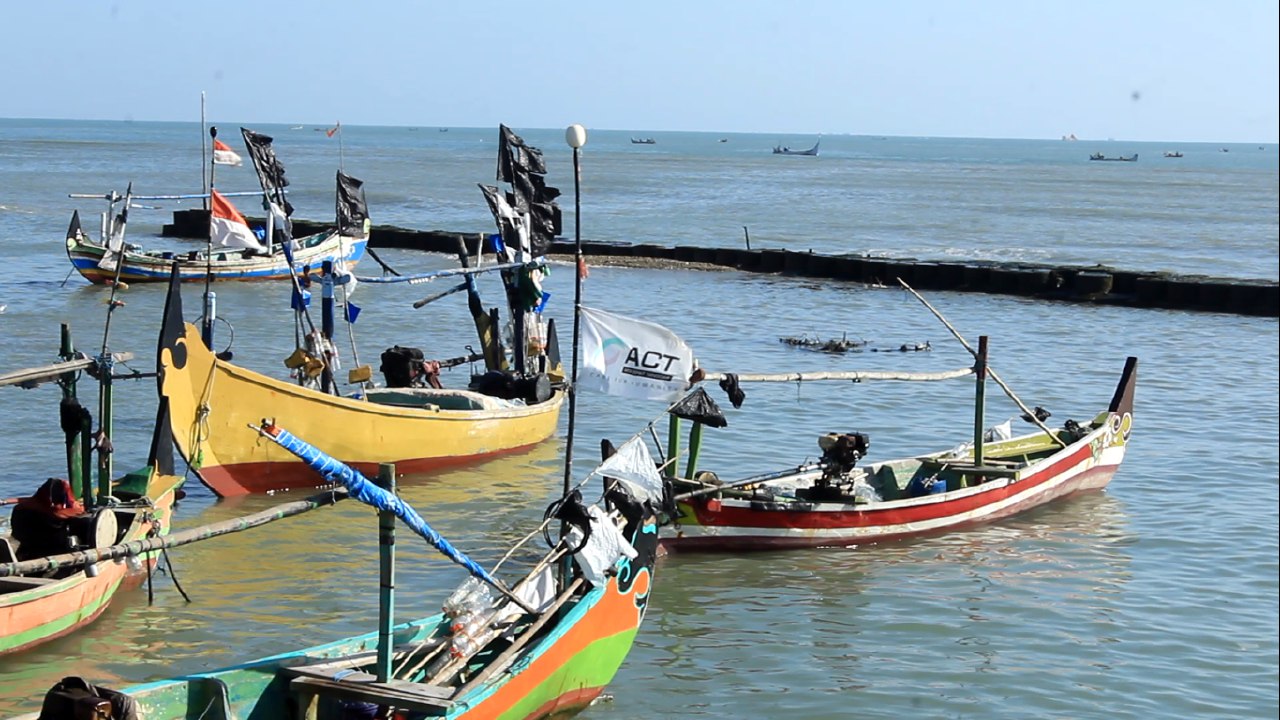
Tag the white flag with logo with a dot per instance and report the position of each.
(632, 358)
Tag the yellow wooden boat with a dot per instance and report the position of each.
(211, 401)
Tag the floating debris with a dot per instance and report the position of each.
(844, 344)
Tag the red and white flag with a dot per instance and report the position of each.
(223, 154)
(228, 228)
(333, 130)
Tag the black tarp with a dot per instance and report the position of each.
(699, 407)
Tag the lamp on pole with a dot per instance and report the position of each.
(576, 136)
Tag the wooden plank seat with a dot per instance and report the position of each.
(337, 678)
(18, 583)
(990, 468)
(365, 687)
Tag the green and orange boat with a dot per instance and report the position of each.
(52, 581)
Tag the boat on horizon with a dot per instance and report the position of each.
(643, 141)
(1118, 158)
(784, 150)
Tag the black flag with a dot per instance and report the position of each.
(270, 169)
(351, 206)
(514, 156)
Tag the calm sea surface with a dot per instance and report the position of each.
(1156, 598)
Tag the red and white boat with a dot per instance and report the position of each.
(833, 503)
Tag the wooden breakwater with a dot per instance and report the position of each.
(1083, 284)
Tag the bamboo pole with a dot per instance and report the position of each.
(990, 370)
(185, 537)
(49, 372)
(852, 375)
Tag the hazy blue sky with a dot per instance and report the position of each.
(1127, 69)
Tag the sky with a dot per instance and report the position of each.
(1156, 70)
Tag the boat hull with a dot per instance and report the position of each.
(213, 403)
(42, 613)
(137, 267)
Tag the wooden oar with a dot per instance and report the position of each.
(185, 537)
(990, 370)
(49, 372)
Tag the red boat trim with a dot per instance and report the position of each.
(265, 477)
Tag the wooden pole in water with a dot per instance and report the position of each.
(386, 573)
(979, 402)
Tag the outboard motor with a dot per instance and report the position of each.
(532, 389)
(841, 451)
(401, 366)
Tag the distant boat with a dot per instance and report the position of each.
(643, 141)
(1069, 138)
(727, 140)
(1118, 158)
(783, 150)
(1174, 154)
(296, 127)
(444, 129)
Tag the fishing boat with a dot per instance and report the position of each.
(413, 420)
(234, 251)
(42, 599)
(1173, 154)
(836, 502)
(418, 428)
(1118, 158)
(784, 150)
(643, 141)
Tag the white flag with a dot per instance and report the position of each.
(228, 228)
(633, 358)
(633, 465)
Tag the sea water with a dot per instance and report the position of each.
(1156, 598)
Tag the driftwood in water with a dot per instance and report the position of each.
(185, 537)
(30, 376)
(852, 375)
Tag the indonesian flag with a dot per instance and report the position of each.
(228, 228)
(223, 154)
